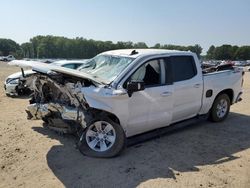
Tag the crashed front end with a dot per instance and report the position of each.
(59, 101)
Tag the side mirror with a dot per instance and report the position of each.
(134, 86)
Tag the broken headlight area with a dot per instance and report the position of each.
(58, 101)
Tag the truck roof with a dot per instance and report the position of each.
(143, 52)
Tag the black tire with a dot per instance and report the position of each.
(114, 150)
(216, 115)
(45, 120)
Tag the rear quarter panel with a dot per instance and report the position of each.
(217, 82)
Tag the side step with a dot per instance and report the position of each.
(162, 131)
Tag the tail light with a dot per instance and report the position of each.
(242, 78)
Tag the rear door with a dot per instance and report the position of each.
(188, 87)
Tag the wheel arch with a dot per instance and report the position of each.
(228, 92)
(102, 113)
(213, 116)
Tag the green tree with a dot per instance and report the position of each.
(224, 52)
(124, 45)
(140, 45)
(195, 49)
(8, 46)
(157, 46)
(27, 50)
(210, 52)
(243, 53)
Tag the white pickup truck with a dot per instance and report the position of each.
(123, 93)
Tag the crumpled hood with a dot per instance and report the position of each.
(47, 68)
(35, 65)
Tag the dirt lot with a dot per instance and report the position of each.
(202, 155)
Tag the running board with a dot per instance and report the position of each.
(162, 131)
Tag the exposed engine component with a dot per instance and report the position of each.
(57, 98)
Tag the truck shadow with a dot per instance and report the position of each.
(184, 151)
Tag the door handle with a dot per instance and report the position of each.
(166, 94)
(197, 85)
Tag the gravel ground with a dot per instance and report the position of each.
(202, 155)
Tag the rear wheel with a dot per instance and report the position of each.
(220, 108)
(102, 138)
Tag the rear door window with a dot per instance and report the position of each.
(183, 68)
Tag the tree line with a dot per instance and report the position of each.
(62, 47)
(228, 52)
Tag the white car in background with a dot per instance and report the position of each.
(7, 58)
(15, 84)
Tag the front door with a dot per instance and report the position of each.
(151, 108)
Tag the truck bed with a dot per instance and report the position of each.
(218, 68)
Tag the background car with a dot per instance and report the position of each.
(72, 64)
(7, 58)
(241, 63)
(14, 84)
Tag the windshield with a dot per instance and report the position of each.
(106, 67)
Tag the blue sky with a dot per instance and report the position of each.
(181, 22)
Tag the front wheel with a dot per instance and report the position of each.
(220, 108)
(102, 138)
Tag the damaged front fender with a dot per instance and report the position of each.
(64, 97)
